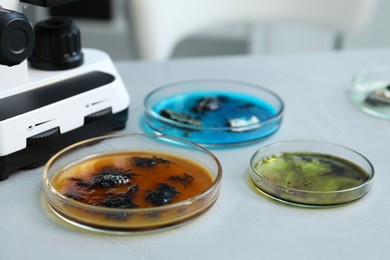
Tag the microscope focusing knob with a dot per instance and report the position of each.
(44, 137)
(57, 45)
(16, 37)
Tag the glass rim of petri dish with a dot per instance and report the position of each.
(361, 74)
(50, 190)
(254, 161)
(149, 108)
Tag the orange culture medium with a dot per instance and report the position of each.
(133, 180)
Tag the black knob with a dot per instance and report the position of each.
(16, 37)
(57, 45)
(100, 115)
(44, 137)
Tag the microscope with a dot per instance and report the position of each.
(53, 93)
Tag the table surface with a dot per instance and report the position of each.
(242, 224)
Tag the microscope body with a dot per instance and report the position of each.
(46, 107)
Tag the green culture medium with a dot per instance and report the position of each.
(311, 179)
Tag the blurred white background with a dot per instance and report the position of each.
(115, 35)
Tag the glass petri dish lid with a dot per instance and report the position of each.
(371, 91)
(310, 173)
(131, 183)
(214, 112)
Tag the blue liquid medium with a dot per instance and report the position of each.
(234, 106)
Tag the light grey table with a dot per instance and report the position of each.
(242, 224)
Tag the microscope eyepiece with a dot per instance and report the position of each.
(17, 37)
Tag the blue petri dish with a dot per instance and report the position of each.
(214, 112)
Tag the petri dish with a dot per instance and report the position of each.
(131, 183)
(371, 91)
(310, 173)
(214, 112)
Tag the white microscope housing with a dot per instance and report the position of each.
(53, 93)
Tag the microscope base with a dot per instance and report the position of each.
(36, 155)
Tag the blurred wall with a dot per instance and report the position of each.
(115, 36)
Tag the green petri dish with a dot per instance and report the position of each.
(311, 173)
